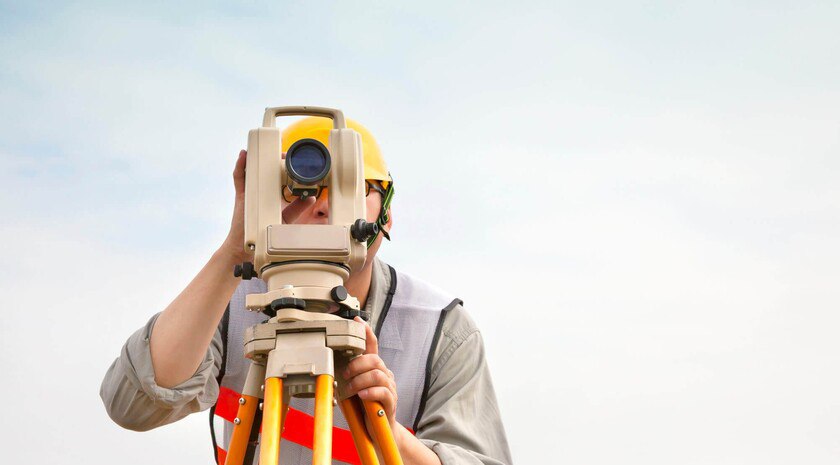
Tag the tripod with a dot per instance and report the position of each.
(294, 354)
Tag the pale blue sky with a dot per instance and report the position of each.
(657, 181)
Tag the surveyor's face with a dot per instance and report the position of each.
(317, 211)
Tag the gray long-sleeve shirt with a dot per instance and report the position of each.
(461, 421)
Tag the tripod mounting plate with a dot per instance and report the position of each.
(338, 333)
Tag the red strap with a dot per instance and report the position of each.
(298, 428)
(227, 404)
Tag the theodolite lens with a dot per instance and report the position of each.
(308, 161)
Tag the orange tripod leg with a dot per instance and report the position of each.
(322, 442)
(382, 433)
(285, 413)
(272, 420)
(241, 430)
(352, 410)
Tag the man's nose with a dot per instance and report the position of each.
(322, 206)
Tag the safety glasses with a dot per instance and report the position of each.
(370, 185)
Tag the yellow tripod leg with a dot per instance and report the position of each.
(272, 422)
(352, 409)
(241, 430)
(382, 433)
(322, 442)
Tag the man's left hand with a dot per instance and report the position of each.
(368, 377)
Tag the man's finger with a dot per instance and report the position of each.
(370, 379)
(380, 394)
(239, 172)
(362, 364)
(371, 344)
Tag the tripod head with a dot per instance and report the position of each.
(305, 266)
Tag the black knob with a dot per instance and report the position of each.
(362, 230)
(288, 302)
(349, 313)
(339, 294)
(245, 271)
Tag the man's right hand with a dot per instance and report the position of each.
(234, 244)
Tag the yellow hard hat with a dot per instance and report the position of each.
(314, 127)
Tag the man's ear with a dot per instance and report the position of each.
(390, 222)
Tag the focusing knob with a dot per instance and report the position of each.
(245, 271)
(339, 294)
(362, 230)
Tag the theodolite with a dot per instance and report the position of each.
(310, 333)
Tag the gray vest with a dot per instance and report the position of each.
(408, 330)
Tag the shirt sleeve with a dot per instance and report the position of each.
(133, 399)
(461, 422)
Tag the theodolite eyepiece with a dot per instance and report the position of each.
(308, 161)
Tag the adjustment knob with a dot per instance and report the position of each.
(288, 302)
(339, 294)
(362, 230)
(245, 271)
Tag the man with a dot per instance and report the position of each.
(439, 397)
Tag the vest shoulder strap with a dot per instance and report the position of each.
(389, 298)
(430, 360)
(223, 329)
